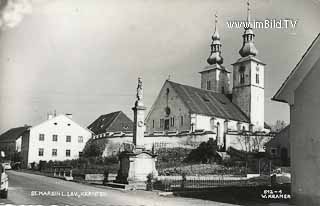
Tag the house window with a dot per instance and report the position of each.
(181, 121)
(68, 138)
(40, 152)
(80, 139)
(208, 85)
(54, 152)
(41, 137)
(68, 153)
(55, 138)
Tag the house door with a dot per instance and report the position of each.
(166, 124)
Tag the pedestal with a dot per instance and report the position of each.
(135, 167)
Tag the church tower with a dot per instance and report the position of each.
(215, 77)
(248, 79)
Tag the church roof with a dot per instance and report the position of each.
(209, 103)
(112, 122)
(13, 134)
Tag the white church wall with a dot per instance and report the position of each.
(113, 144)
(177, 110)
(257, 108)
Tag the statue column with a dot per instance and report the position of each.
(138, 124)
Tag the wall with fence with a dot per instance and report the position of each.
(189, 183)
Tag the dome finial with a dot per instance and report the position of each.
(215, 21)
(248, 11)
(215, 55)
(248, 47)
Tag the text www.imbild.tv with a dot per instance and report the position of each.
(264, 24)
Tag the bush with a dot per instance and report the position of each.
(205, 153)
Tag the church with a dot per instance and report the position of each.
(215, 107)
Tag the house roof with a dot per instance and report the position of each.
(13, 134)
(200, 101)
(57, 117)
(306, 63)
(112, 122)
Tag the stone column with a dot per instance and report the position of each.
(138, 124)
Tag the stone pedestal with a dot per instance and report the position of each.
(135, 167)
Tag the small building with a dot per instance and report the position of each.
(10, 141)
(279, 147)
(58, 138)
(299, 91)
(112, 122)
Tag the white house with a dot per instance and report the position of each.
(58, 138)
(300, 92)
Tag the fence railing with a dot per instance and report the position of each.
(190, 183)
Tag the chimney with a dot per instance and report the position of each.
(69, 115)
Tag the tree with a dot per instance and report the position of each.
(204, 153)
(278, 126)
(93, 149)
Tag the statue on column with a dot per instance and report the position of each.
(139, 93)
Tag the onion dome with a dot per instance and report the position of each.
(248, 47)
(215, 55)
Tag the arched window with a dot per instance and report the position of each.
(218, 131)
(241, 74)
(257, 74)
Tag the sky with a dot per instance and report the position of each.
(84, 57)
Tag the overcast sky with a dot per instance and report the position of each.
(84, 56)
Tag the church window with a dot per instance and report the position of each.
(241, 74)
(218, 130)
(161, 123)
(166, 124)
(152, 123)
(208, 85)
(222, 90)
(172, 121)
(257, 78)
(181, 120)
